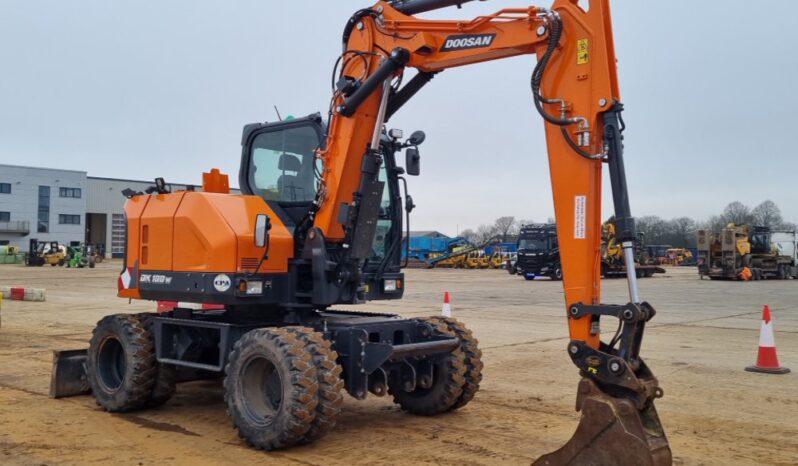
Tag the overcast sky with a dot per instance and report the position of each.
(132, 89)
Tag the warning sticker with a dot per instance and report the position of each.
(582, 57)
(579, 217)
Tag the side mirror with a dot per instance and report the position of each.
(412, 161)
(262, 226)
(416, 138)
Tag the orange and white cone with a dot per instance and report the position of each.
(767, 361)
(446, 310)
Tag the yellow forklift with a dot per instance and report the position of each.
(45, 252)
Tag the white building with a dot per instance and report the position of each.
(42, 203)
(66, 206)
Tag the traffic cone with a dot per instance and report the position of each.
(446, 310)
(766, 360)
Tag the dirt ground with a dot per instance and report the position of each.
(703, 336)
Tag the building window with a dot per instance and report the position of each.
(5, 216)
(118, 226)
(44, 209)
(69, 192)
(5, 188)
(68, 219)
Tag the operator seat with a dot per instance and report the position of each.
(295, 200)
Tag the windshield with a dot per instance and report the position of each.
(537, 243)
(282, 164)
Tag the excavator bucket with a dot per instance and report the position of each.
(612, 431)
(69, 374)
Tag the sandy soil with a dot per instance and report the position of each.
(704, 334)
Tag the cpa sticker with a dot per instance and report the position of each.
(221, 283)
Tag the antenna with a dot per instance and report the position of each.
(278, 113)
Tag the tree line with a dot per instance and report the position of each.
(678, 232)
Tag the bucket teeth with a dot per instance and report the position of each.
(612, 431)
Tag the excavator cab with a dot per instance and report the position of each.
(279, 164)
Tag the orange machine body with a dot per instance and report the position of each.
(185, 237)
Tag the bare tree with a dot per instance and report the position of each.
(714, 223)
(653, 228)
(485, 232)
(469, 235)
(505, 226)
(737, 213)
(682, 232)
(788, 226)
(767, 214)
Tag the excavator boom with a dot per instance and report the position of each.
(575, 88)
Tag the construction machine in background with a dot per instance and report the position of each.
(741, 252)
(539, 254)
(77, 257)
(477, 259)
(678, 257)
(418, 250)
(95, 252)
(45, 252)
(612, 255)
(301, 238)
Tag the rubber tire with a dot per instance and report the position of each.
(469, 345)
(331, 384)
(138, 372)
(298, 384)
(448, 381)
(165, 383)
(557, 276)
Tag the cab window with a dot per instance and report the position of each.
(282, 164)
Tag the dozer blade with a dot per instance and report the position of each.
(69, 374)
(612, 431)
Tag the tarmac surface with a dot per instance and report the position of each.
(703, 336)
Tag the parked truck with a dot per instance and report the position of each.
(744, 253)
(539, 254)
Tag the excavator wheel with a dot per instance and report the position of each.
(330, 382)
(447, 385)
(271, 388)
(121, 364)
(469, 345)
(165, 374)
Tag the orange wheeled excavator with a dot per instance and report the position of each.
(320, 224)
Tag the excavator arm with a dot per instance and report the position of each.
(574, 87)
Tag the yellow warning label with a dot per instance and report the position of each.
(582, 56)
